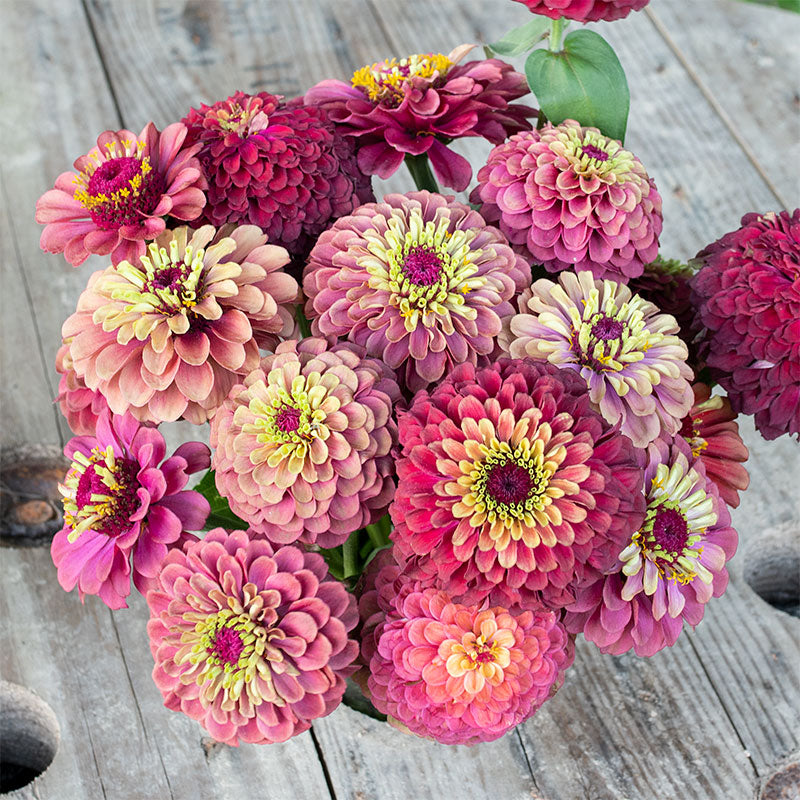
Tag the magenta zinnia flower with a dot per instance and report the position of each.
(628, 354)
(510, 484)
(419, 280)
(302, 447)
(673, 565)
(570, 198)
(250, 640)
(585, 10)
(121, 194)
(748, 296)
(286, 168)
(168, 336)
(460, 674)
(124, 507)
(80, 405)
(417, 105)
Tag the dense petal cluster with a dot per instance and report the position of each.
(250, 640)
(124, 507)
(417, 105)
(570, 198)
(121, 194)
(80, 405)
(302, 447)
(284, 167)
(511, 485)
(169, 335)
(628, 354)
(748, 296)
(419, 280)
(585, 10)
(673, 565)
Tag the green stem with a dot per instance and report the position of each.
(305, 325)
(379, 531)
(556, 32)
(420, 170)
(350, 555)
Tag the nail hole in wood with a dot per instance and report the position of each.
(772, 567)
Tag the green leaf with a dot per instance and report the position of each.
(786, 5)
(520, 40)
(584, 81)
(221, 515)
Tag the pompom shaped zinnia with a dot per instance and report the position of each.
(462, 675)
(250, 640)
(673, 565)
(511, 485)
(628, 354)
(585, 10)
(122, 193)
(168, 336)
(415, 106)
(748, 296)
(302, 447)
(419, 280)
(124, 506)
(284, 167)
(569, 197)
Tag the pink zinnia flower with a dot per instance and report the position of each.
(748, 296)
(124, 507)
(673, 565)
(284, 167)
(302, 447)
(80, 405)
(462, 674)
(417, 105)
(568, 197)
(250, 640)
(712, 433)
(169, 335)
(585, 10)
(121, 194)
(511, 485)
(628, 354)
(419, 280)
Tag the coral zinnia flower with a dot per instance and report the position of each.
(80, 405)
(748, 296)
(570, 198)
(459, 674)
(510, 484)
(628, 354)
(419, 104)
(673, 565)
(585, 10)
(712, 433)
(302, 447)
(249, 640)
(170, 335)
(124, 507)
(419, 280)
(122, 192)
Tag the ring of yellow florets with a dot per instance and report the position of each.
(426, 269)
(384, 81)
(484, 656)
(242, 120)
(591, 154)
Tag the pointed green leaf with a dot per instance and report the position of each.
(221, 515)
(520, 40)
(787, 5)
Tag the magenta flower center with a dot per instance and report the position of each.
(483, 653)
(670, 531)
(607, 328)
(422, 266)
(108, 495)
(594, 152)
(169, 278)
(227, 646)
(509, 483)
(287, 419)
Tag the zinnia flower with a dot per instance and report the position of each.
(121, 194)
(510, 484)
(124, 507)
(80, 405)
(169, 335)
(585, 10)
(673, 565)
(417, 105)
(462, 675)
(712, 433)
(748, 296)
(302, 447)
(250, 640)
(419, 280)
(628, 354)
(286, 168)
(570, 198)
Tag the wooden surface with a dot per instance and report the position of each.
(714, 117)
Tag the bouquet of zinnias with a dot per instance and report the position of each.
(445, 439)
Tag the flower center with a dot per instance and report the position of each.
(288, 419)
(226, 646)
(594, 152)
(510, 488)
(422, 266)
(670, 531)
(606, 328)
(508, 483)
(242, 120)
(99, 493)
(387, 82)
(592, 155)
